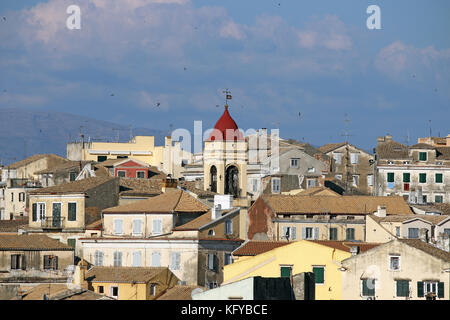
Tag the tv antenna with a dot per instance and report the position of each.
(227, 96)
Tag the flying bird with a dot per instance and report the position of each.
(112, 94)
(4, 18)
(217, 106)
(185, 68)
(158, 104)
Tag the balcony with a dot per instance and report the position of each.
(53, 223)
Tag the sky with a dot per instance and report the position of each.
(301, 66)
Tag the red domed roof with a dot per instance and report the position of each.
(227, 128)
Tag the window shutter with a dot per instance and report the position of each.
(316, 233)
(440, 290)
(420, 289)
(24, 262)
(210, 261)
(304, 233)
(72, 211)
(13, 262)
(294, 233)
(156, 259)
(34, 211)
(285, 230)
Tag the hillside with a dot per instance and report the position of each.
(26, 132)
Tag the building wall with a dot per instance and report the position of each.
(103, 196)
(34, 260)
(127, 291)
(15, 207)
(242, 289)
(127, 224)
(302, 256)
(188, 250)
(361, 169)
(79, 199)
(377, 233)
(415, 265)
(419, 224)
(429, 189)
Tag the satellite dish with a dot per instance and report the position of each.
(196, 291)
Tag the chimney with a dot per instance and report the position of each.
(264, 131)
(381, 211)
(354, 250)
(168, 183)
(388, 138)
(168, 141)
(216, 212)
(80, 274)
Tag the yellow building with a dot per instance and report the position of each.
(168, 158)
(128, 283)
(321, 257)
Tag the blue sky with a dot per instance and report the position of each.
(279, 58)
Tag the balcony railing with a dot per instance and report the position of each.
(53, 223)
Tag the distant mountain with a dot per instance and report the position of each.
(27, 132)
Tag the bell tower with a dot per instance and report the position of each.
(225, 157)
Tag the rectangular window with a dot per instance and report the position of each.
(121, 173)
(255, 185)
(406, 177)
(390, 176)
(41, 211)
(289, 233)
(140, 174)
(333, 234)
(175, 261)
(397, 231)
(211, 261)
(413, 233)
(156, 226)
(311, 183)
(307, 233)
(394, 263)
(430, 287)
(276, 185)
(156, 259)
(12, 196)
(285, 271)
(118, 226)
(402, 288)
(72, 207)
(438, 199)
(406, 186)
(72, 242)
(101, 289)
(228, 259)
(424, 199)
(355, 180)
(368, 287)
(137, 227)
(337, 158)
(18, 262)
(294, 163)
(50, 262)
(101, 158)
(117, 259)
(34, 212)
(98, 258)
(228, 227)
(422, 156)
(153, 289)
(72, 176)
(354, 158)
(319, 274)
(137, 259)
(422, 177)
(370, 180)
(115, 292)
(438, 178)
(22, 197)
(350, 234)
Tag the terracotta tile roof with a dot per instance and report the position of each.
(434, 219)
(199, 222)
(12, 225)
(66, 166)
(427, 248)
(36, 157)
(191, 186)
(253, 248)
(60, 292)
(91, 214)
(392, 150)
(179, 292)
(174, 200)
(443, 207)
(422, 146)
(140, 187)
(123, 274)
(346, 245)
(79, 186)
(318, 190)
(336, 205)
(96, 225)
(330, 147)
(31, 242)
(101, 171)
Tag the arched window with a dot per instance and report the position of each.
(213, 173)
(232, 181)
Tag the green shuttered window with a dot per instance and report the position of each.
(439, 178)
(285, 272)
(319, 274)
(72, 211)
(422, 177)
(406, 177)
(402, 288)
(390, 177)
(368, 287)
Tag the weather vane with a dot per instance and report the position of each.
(227, 96)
